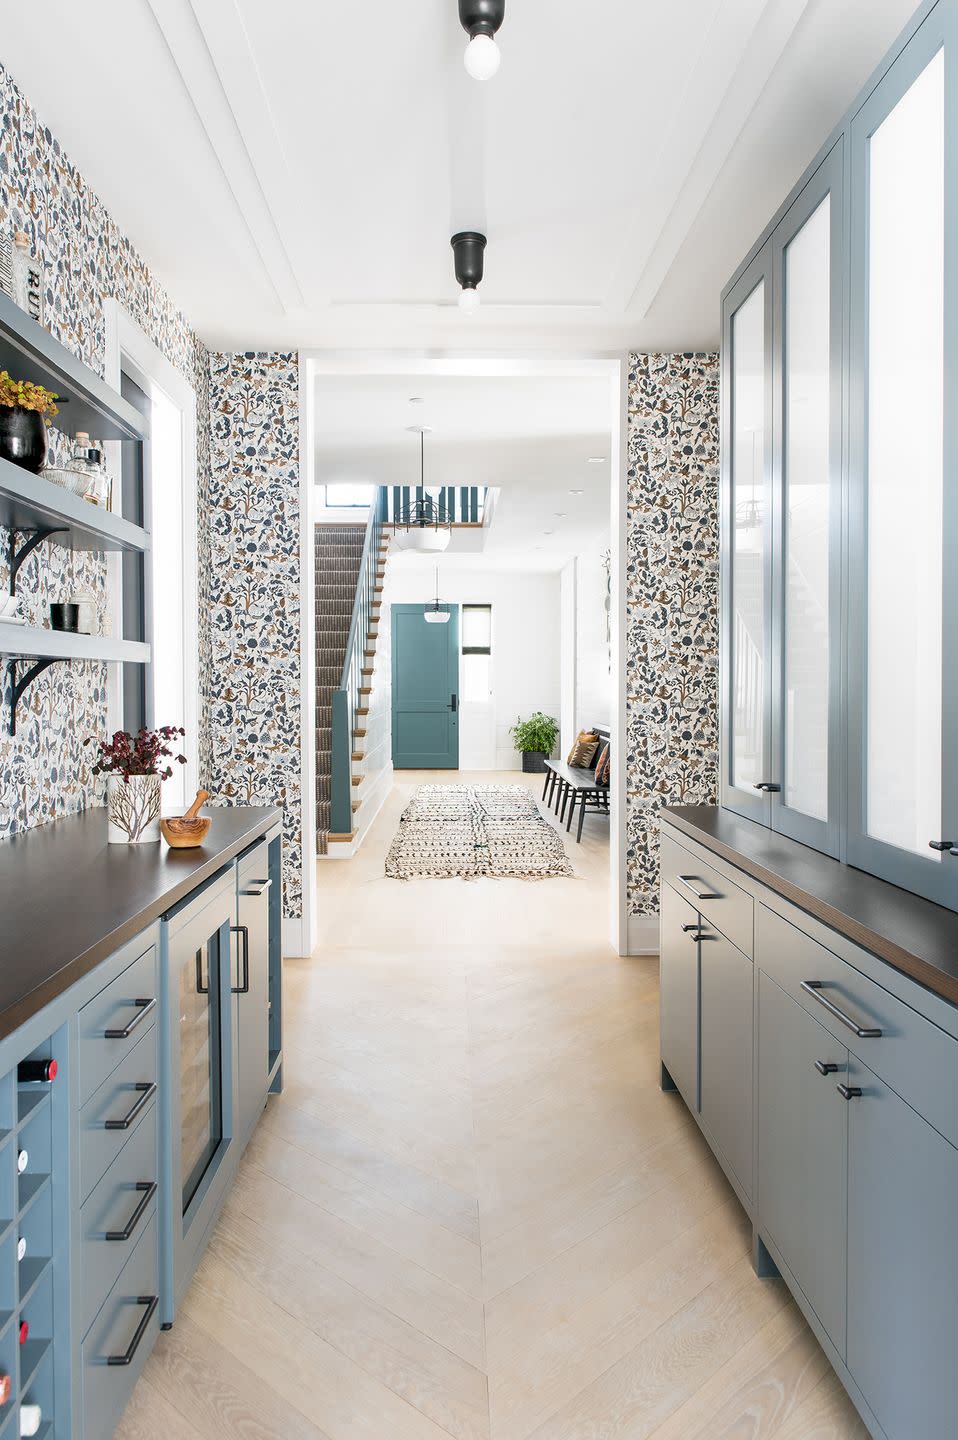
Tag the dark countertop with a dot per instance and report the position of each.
(914, 935)
(68, 899)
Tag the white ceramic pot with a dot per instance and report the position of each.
(133, 809)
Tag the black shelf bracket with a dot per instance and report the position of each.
(37, 537)
(21, 684)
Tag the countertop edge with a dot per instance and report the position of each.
(77, 969)
(905, 961)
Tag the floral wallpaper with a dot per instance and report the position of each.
(672, 635)
(254, 593)
(45, 769)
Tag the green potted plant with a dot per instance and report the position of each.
(25, 411)
(535, 738)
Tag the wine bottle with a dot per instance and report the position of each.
(6, 1385)
(30, 1417)
(23, 1160)
(31, 1070)
(24, 1332)
(21, 1247)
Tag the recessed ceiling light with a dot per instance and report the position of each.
(559, 514)
(576, 492)
(548, 532)
(419, 429)
(596, 459)
(417, 400)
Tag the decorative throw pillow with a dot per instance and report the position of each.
(603, 767)
(582, 752)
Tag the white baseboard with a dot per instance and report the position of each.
(643, 935)
(293, 938)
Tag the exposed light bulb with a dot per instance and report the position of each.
(469, 299)
(482, 57)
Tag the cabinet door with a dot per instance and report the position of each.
(726, 1050)
(802, 1136)
(252, 988)
(679, 993)
(746, 548)
(807, 512)
(902, 1263)
(903, 642)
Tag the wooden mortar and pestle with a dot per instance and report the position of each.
(190, 829)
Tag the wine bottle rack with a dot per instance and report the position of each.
(27, 1207)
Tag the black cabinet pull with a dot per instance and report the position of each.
(454, 703)
(243, 932)
(864, 1032)
(848, 1092)
(148, 1187)
(151, 1302)
(143, 1008)
(147, 1089)
(826, 1067)
(705, 894)
(950, 845)
(687, 928)
(768, 787)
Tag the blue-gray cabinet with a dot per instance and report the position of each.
(251, 999)
(852, 1138)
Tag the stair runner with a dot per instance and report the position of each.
(338, 553)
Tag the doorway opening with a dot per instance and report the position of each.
(532, 584)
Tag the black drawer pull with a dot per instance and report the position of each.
(243, 987)
(826, 1067)
(151, 1302)
(864, 1032)
(768, 787)
(848, 1092)
(706, 894)
(143, 1008)
(147, 1089)
(148, 1187)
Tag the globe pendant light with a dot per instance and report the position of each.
(481, 19)
(420, 527)
(437, 613)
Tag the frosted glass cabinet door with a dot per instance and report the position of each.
(747, 551)
(903, 652)
(807, 577)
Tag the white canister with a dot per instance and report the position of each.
(133, 809)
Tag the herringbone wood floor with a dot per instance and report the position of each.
(473, 1213)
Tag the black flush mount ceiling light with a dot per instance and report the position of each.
(481, 19)
(467, 248)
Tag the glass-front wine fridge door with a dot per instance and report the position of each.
(201, 1098)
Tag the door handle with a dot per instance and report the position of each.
(767, 786)
(143, 1008)
(864, 1032)
(151, 1302)
(148, 1189)
(243, 932)
(146, 1089)
(454, 703)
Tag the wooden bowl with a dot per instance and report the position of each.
(184, 834)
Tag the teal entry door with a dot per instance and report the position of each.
(425, 664)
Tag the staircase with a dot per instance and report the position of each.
(338, 556)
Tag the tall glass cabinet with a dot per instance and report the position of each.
(840, 490)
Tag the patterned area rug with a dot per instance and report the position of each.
(474, 830)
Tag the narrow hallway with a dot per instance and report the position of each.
(473, 1212)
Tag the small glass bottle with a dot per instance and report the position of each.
(87, 464)
(27, 277)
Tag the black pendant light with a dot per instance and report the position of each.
(468, 248)
(481, 19)
(437, 613)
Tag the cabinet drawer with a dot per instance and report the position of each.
(727, 907)
(125, 1096)
(119, 1207)
(125, 1008)
(913, 1057)
(125, 1327)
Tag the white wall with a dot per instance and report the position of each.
(593, 689)
(525, 649)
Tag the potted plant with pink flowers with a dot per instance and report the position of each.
(135, 766)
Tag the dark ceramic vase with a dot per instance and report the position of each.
(23, 437)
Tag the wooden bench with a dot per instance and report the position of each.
(578, 785)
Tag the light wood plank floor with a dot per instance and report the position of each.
(473, 1213)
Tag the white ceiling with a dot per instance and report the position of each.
(534, 437)
(293, 172)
